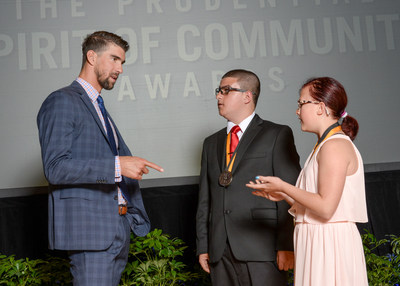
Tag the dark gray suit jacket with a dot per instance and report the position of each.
(255, 227)
(80, 167)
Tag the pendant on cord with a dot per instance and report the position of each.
(225, 178)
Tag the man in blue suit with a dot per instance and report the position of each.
(94, 196)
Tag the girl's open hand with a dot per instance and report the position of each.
(267, 187)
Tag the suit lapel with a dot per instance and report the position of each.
(221, 138)
(252, 130)
(86, 100)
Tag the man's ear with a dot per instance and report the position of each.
(91, 57)
(248, 97)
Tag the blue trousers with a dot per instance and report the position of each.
(102, 268)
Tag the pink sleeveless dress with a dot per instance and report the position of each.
(330, 253)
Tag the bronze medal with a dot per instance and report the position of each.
(225, 178)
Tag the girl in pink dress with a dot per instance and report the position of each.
(329, 196)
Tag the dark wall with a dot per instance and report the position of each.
(23, 220)
(383, 203)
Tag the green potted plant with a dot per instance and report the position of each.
(52, 271)
(382, 269)
(153, 260)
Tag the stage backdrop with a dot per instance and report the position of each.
(164, 102)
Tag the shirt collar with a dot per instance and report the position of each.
(243, 125)
(90, 90)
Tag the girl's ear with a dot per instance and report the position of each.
(325, 109)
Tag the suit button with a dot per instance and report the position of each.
(115, 197)
(227, 211)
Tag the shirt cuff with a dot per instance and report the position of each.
(118, 176)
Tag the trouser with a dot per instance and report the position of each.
(102, 268)
(231, 272)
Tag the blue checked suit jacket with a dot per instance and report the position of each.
(80, 167)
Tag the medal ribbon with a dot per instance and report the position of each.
(229, 159)
(334, 128)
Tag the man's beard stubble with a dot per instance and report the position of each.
(105, 83)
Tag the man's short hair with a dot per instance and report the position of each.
(247, 80)
(98, 42)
